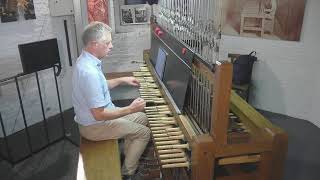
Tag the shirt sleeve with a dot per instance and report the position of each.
(92, 90)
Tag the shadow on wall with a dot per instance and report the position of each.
(314, 115)
(266, 91)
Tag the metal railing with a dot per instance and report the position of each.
(7, 153)
(199, 102)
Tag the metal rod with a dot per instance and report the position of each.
(60, 109)
(67, 40)
(23, 116)
(5, 139)
(211, 106)
(207, 104)
(42, 109)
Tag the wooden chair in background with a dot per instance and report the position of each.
(258, 16)
(252, 17)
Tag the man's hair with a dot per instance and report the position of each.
(96, 31)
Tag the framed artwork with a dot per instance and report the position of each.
(141, 15)
(270, 19)
(126, 16)
(14, 10)
(98, 10)
(133, 14)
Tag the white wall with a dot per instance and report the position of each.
(22, 31)
(286, 77)
(127, 46)
(314, 40)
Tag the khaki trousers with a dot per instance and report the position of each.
(132, 128)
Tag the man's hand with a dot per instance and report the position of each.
(131, 81)
(137, 105)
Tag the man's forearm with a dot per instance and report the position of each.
(103, 114)
(114, 82)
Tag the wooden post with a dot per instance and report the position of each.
(279, 155)
(203, 160)
(221, 102)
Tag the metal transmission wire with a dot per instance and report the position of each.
(196, 23)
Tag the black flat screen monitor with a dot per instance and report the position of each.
(161, 62)
(39, 55)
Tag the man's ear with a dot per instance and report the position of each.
(92, 43)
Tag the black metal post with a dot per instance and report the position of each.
(67, 39)
(57, 88)
(23, 115)
(61, 114)
(42, 109)
(6, 140)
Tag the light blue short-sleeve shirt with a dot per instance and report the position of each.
(89, 88)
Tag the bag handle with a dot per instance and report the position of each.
(251, 54)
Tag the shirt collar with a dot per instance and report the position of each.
(92, 59)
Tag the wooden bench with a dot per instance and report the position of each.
(99, 160)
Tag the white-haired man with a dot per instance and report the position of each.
(97, 116)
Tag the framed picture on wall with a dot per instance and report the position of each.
(134, 14)
(141, 15)
(126, 16)
(14, 10)
(98, 10)
(269, 19)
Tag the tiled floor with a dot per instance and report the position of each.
(57, 162)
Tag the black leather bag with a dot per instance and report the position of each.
(242, 68)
